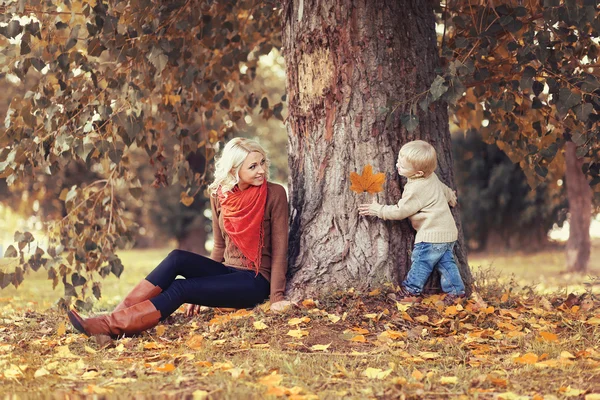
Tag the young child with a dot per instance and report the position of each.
(425, 202)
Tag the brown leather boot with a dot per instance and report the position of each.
(128, 321)
(144, 290)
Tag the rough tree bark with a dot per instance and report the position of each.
(579, 195)
(346, 62)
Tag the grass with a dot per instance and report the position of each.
(516, 339)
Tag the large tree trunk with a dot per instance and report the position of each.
(579, 195)
(346, 62)
(194, 237)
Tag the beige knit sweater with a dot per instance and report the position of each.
(425, 203)
(273, 265)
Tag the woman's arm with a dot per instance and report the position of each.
(279, 243)
(218, 241)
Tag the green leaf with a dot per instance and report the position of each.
(158, 59)
(583, 111)
(541, 171)
(77, 279)
(410, 121)
(116, 267)
(567, 99)
(438, 88)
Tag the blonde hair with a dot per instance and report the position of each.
(421, 156)
(227, 167)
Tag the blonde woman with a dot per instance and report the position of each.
(248, 262)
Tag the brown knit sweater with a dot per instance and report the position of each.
(273, 265)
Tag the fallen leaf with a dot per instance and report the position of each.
(375, 292)
(376, 373)
(449, 380)
(160, 330)
(297, 333)
(273, 379)
(309, 303)
(359, 338)
(566, 354)
(320, 347)
(333, 318)
(361, 331)
(200, 395)
(403, 306)
(593, 321)
(298, 321)
(422, 319)
(195, 342)
(61, 330)
(259, 325)
(549, 337)
(165, 368)
(429, 355)
(417, 375)
(528, 358)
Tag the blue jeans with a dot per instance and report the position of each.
(426, 257)
(207, 283)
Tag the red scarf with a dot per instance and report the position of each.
(243, 212)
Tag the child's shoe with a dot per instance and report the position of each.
(451, 299)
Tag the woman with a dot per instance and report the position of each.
(247, 264)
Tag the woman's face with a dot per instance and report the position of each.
(252, 171)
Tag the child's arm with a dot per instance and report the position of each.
(408, 205)
(450, 195)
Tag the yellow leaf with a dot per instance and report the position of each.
(152, 346)
(276, 391)
(407, 317)
(429, 355)
(60, 331)
(449, 380)
(88, 349)
(504, 297)
(375, 292)
(298, 321)
(41, 372)
(273, 379)
(204, 364)
(259, 325)
(450, 311)
(422, 319)
(360, 331)
(402, 307)
(297, 333)
(367, 181)
(489, 310)
(393, 334)
(376, 373)
(223, 366)
(309, 303)
(548, 336)
(417, 375)
(592, 396)
(566, 354)
(186, 199)
(320, 347)
(371, 316)
(571, 392)
(195, 342)
(359, 338)
(333, 318)
(64, 352)
(528, 358)
(160, 330)
(593, 321)
(165, 368)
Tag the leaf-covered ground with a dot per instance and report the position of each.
(506, 345)
(509, 342)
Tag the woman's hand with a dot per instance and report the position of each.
(369, 209)
(281, 306)
(192, 309)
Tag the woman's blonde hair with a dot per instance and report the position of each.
(227, 167)
(421, 156)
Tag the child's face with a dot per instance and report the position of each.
(406, 169)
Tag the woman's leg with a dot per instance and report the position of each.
(178, 262)
(186, 264)
(237, 289)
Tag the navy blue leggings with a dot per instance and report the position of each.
(207, 283)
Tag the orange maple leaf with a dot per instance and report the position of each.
(367, 181)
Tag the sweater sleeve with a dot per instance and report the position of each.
(408, 205)
(279, 243)
(218, 242)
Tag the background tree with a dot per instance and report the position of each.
(526, 75)
(348, 63)
(501, 211)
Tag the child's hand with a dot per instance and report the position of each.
(370, 209)
(452, 200)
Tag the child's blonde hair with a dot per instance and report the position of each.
(421, 156)
(228, 166)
